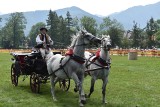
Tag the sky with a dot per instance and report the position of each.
(98, 7)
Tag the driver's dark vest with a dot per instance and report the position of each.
(44, 36)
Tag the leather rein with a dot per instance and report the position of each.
(103, 64)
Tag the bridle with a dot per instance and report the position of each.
(83, 44)
(103, 63)
(104, 46)
(77, 58)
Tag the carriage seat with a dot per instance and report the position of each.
(35, 53)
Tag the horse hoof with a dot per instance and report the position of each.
(81, 105)
(104, 102)
(54, 99)
(83, 101)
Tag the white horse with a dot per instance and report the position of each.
(70, 66)
(98, 65)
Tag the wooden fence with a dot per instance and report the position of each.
(121, 52)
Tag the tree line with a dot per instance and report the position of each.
(62, 28)
(12, 34)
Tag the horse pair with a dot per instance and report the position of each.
(72, 65)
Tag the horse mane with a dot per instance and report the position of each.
(73, 39)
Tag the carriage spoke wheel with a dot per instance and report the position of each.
(14, 76)
(35, 82)
(64, 84)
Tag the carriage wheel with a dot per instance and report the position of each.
(35, 82)
(14, 76)
(64, 84)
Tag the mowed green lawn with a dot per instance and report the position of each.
(131, 84)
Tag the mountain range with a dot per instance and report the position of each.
(139, 14)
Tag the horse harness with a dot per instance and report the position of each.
(76, 58)
(104, 64)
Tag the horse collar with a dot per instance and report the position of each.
(78, 59)
(97, 56)
(100, 60)
(103, 62)
(75, 57)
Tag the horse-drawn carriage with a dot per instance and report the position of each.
(34, 65)
(63, 68)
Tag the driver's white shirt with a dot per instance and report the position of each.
(39, 41)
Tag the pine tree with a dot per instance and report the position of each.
(69, 25)
(151, 29)
(136, 36)
(69, 20)
(53, 24)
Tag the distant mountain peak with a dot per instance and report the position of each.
(75, 7)
(69, 8)
(99, 15)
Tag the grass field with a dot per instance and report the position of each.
(131, 84)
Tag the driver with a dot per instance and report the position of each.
(43, 39)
